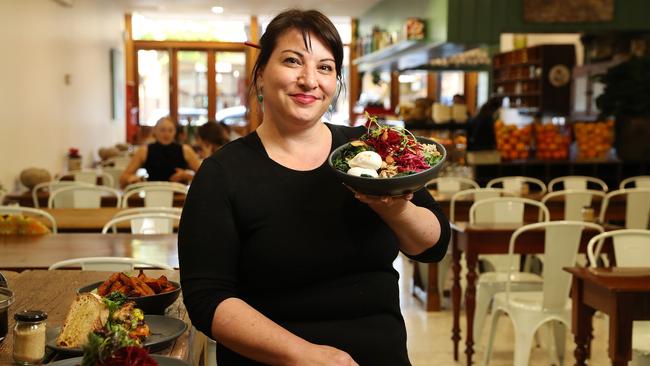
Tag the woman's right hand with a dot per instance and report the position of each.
(319, 355)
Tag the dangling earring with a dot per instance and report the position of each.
(260, 98)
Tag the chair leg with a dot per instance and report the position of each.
(483, 299)
(523, 343)
(559, 334)
(493, 328)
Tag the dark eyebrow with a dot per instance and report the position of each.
(301, 55)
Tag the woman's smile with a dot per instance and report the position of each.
(304, 99)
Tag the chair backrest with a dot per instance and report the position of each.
(63, 199)
(86, 196)
(451, 185)
(148, 210)
(574, 201)
(576, 182)
(637, 206)
(154, 184)
(114, 264)
(13, 210)
(115, 174)
(155, 195)
(118, 162)
(504, 210)
(90, 176)
(631, 247)
(515, 183)
(561, 243)
(640, 181)
(476, 194)
(145, 223)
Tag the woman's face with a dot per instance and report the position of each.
(205, 148)
(164, 132)
(298, 84)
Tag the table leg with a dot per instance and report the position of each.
(470, 303)
(455, 296)
(582, 323)
(620, 334)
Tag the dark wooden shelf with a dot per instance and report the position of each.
(514, 80)
(517, 64)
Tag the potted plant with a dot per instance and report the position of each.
(74, 159)
(627, 97)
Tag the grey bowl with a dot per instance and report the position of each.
(396, 186)
(153, 304)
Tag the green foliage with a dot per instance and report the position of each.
(627, 89)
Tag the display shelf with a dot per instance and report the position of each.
(541, 75)
(429, 124)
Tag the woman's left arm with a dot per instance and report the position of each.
(417, 228)
(191, 158)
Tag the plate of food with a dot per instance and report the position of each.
(92, 319)
(159, 360)
(387, 161)
(152, 295)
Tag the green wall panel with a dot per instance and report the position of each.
(392, 14)
(482, 21)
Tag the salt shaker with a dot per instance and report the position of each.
(29, 337)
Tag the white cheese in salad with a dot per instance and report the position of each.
(367, 160)
(357, 171)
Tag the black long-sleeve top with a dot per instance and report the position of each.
(298, 247)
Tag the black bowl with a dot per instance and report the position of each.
(395, 186)
(153, 304)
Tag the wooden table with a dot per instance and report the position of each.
(622, 293)
(54, 291)
(26, 199)
(475, 239)
(20, 252)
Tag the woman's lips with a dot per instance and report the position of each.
(304, 98)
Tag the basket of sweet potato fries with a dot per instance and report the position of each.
(152, 295)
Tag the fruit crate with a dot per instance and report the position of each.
(551, 141)
(594, 139)
(513, 142)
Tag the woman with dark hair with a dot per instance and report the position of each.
(210, 136)
(480, 129)
(165, 159)
(280, 263)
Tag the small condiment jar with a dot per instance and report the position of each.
(29, 337)
(587, 214)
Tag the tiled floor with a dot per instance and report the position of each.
(429, 335)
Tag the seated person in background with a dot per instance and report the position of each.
(480, 129)
(164, 160)
(210, 137)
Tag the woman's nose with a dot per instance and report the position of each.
(307, 79)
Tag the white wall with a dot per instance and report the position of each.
(40, 116)
(534, 39)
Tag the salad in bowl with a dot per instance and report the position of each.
(387, 161)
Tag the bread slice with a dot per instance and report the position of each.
(87, 313)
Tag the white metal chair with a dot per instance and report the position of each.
(148, 210)
(90, 176)
(451, 185)
(63, 200)
(576, 182)
(156, 194)
(640, 181)
(516, 183)
(114, 264)
(631, 249)
(12, 210)
(574, 201)
(637, 207)
(82, 196)
(529, 310)
(475, 194)
(118, 162)
(115, 174)
(145, 223)
(506, 210)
